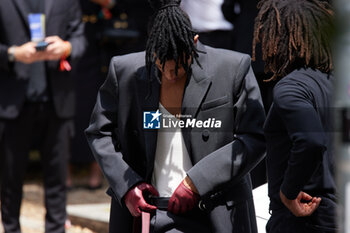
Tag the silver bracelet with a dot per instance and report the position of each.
(11, 54)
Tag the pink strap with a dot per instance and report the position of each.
(146, 217)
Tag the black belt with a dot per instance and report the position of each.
(160, 202)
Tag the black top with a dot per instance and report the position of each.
(37, 87)
(298, 137)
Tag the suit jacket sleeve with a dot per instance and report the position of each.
(101, 137)
(305, 130)
(76, 31)
(230, 163)
(4, 62)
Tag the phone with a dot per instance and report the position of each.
(41, 46)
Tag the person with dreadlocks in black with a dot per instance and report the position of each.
(295, 38)
(176, 130)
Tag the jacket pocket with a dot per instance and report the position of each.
(215, 103)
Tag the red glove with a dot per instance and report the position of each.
(134, 199)
(182, 200)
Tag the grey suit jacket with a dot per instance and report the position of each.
(224, 88)
(63, 18)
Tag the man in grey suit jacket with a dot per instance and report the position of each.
(37, 101)
(214, 192)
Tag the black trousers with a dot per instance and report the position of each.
(323, 220)
(37, 125)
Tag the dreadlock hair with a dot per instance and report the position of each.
(171, 36)
(294, 34)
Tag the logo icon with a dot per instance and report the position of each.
(151, 120)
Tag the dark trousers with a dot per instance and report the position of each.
(37, 125)
(1, 156)
(323, 220)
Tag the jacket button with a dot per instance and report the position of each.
(205, 135)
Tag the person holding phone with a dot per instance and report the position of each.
(39, 40)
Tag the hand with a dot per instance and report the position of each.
(184, 198)
(26, 53)
(135, 201)
(56, 48)
(298, 208)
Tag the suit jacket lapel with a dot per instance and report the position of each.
(21, 6)
(195, 92)
(148, 95)
(197, 86)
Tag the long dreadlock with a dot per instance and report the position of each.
(294, 34)
(171, 36)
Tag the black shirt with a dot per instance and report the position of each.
(37, 85)
(298, 133)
